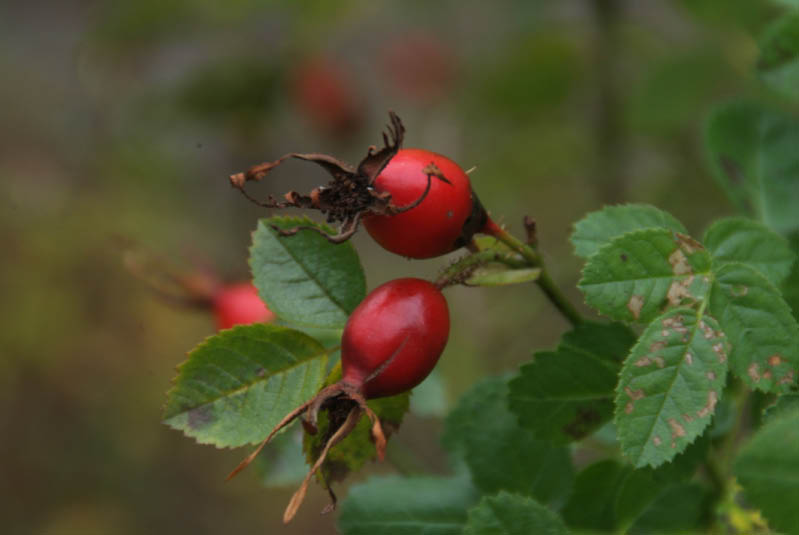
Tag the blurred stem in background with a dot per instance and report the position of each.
(608, 120)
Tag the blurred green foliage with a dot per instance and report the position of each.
(124, 119)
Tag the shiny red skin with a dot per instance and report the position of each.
(239, 304)
(432, 228)
(402, 325)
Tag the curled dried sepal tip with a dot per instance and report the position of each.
(298, 497)
(349, 195)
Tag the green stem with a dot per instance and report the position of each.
(544, 281)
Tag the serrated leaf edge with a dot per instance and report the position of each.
(179, 369)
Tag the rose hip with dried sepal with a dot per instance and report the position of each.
(414, 202)
(391, 342)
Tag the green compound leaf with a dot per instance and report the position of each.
(637, 275)
(237, 385)
(358, 448)
(598, 228)
(567, 394)
(752, 243)
(778, 65)
(752, 151)
(759, 324)
(500, 454)
(305, 279)
(511, 514)
(669, 386)
(407, 506)
(768, 469)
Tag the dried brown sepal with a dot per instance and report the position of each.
(298, 497)
(283, 423)
(345, 405)
(376, 160)
(349, 195)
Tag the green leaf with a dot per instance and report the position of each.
(511, 514)
(763, 333)
(357, 448)
(669, 386)
(600, 227)
(677, 508)
(500, 454)
(237, 385)
(611, 496)
(768, 469)
(732, 138)
(305, 279)
(636, 275)
(407, 506)
(609, 341)
(778, 64)
(785, 403)
(752, 243)
(567, 394)
(607, 494)
(502, 276)
(753, 155)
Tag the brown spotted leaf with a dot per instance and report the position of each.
(639, 274)
(669, 386)
(237, 385)
(760, 326)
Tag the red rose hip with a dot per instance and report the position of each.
(239, 304)
(391, 342)
(394, 338)
(439, 224)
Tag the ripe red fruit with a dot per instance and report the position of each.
(239, 304)
(414, 202)
(445, 219)
(394, 337)
(391, 342)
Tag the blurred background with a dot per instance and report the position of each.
(122, 120)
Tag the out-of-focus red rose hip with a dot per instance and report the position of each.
(239, 304)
